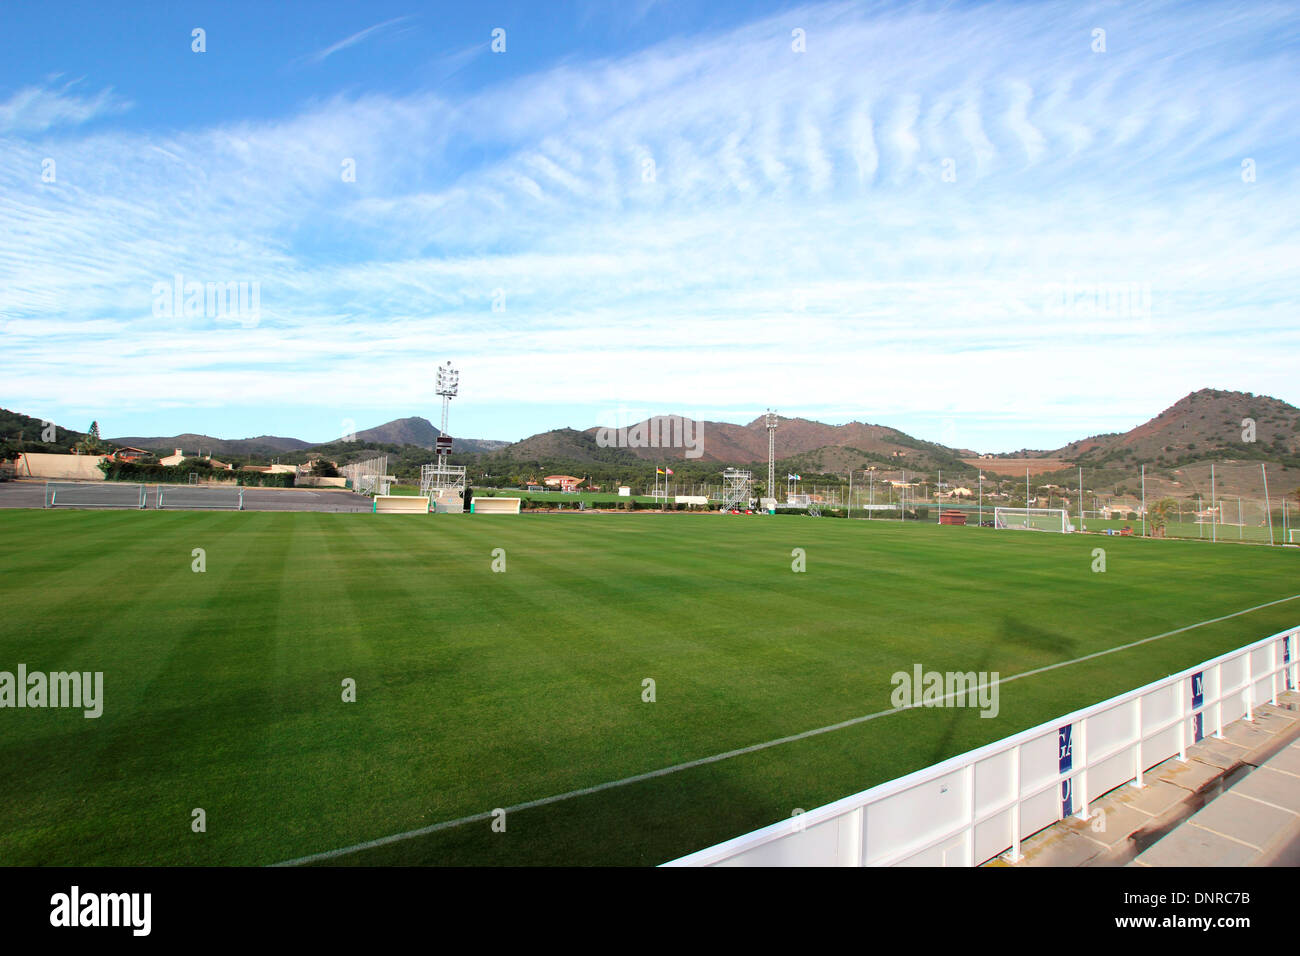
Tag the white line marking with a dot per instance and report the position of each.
(752, 748)
(1202, 826)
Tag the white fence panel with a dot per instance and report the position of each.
(967, 810)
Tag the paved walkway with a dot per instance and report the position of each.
(1235, 802)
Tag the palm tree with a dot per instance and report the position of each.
(1158, 516)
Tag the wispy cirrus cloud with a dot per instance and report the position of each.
(874, 227)
(34, 109)
(323, 54)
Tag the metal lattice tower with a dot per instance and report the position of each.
(736, 488)
(770, 421)
(436, 480)
(447, 387)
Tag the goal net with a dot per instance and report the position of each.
(200, 498)
(1032, 519)
(107, 494)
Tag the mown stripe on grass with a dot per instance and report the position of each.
(753, 748)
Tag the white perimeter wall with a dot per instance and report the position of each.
(68, 467)
(975, 806)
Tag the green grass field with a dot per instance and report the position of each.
(479, 690)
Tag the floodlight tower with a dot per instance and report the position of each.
(448, 385)
(770, 420)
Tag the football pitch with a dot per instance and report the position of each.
(524, 688)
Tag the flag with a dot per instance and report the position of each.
(659, 471)
(670, 471)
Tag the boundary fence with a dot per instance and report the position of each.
(984, 803)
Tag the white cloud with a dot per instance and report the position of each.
(34, 109)
(779, 177)
(321, 55)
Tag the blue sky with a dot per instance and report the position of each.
(969, 221)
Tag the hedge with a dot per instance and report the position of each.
(180, 474)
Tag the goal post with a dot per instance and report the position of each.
(201, 497)
(86, 494)
(1032, 519)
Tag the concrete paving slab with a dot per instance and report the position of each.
(1058, 846)
(1288, 761)
(1116, 822)
(1284, 851)
(1189, 846)
(1219, 753)
(1240, 818)
(1283, 708)
(1157, 797)
(1248, 735)
(1270, 786)
(1275, 721)
(1191, 776)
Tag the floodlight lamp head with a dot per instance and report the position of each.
(448, 380)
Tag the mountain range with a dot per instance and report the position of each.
(400, 431)
(1209, 423)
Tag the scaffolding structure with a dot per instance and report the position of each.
(439, 478)
(737, 488)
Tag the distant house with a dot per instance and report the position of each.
(563, 482)
(130, 454)
(171, 461)
(219, 464)
(264, 469)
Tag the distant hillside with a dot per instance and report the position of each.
(420, 431)
(724, 442)
(564, 444)
(19, 432)
(1204, 424)
(401, 431)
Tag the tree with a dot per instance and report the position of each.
(1158, 516)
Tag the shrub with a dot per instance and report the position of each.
(180, 474)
